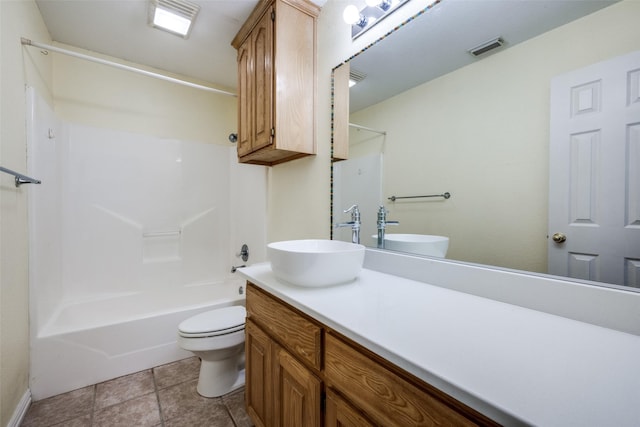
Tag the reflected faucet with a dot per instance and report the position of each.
(354, 223)
(382, 224)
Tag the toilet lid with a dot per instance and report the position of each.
(221, 321)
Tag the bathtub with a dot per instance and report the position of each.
(105, 338)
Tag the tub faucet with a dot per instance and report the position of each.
(354, 223)
(382, 224)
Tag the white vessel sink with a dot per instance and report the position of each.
(421, 244)
(315, 263)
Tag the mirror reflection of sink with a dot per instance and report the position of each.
(316, 263)
(420, 244)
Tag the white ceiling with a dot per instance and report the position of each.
(119, 28)
(438, 42)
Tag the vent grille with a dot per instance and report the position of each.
(179, 7)
(486, 46)
(356, 75)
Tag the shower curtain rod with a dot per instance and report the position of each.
(353, 125)
(28, 42)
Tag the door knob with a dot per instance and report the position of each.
(559, 237)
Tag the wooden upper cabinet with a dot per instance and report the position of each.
(277, 82)
(340, 141)
(244, 94)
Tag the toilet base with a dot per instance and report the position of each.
(220, 377)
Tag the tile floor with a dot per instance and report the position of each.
(164, 396)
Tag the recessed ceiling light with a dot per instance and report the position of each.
(174, 16)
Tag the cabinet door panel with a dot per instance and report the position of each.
(244, 97)
(341, 112)
(340, 414)
(296, 392)
(294, 90)
(262, 46)
(258, 390)
(385, 396)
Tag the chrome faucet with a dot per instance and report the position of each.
(382, 224)
(354, 223)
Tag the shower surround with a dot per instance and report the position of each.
(129, 235)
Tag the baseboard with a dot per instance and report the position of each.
(21, 410)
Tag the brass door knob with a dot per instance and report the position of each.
(559, 237)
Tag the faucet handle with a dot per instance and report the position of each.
(351, 209)
(355, 212)
(382, 213)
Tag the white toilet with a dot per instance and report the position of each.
(217, 337)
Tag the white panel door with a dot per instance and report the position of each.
(594, 172)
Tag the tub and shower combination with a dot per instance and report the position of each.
(129, 235)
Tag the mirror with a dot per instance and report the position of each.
(432, 118)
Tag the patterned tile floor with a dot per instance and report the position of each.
(164, 396)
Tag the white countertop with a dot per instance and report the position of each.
(514, 364)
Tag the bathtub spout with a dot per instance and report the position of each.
(234, 268)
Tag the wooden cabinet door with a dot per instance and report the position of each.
(340, 414)
(340, 143)
(262, 51)
(258, 362)
(245, 95)
(297, 392)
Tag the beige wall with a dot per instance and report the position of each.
(482, 134)
(299, 191)
(82, 92)
(19, 67)
(103, 96)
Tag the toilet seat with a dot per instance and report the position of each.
(213, 323)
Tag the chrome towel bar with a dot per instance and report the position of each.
(445, 195)
(20, 179)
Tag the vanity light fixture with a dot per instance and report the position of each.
(382, 4)
(352, 15)
(174, 16)
(373, 11)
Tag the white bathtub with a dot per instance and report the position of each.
(94, 341)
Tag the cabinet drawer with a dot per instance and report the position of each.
(387, 397)
(299, 335)
(340, 414)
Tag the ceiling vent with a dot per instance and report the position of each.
(356, 77)
(486, 46)
(174, 16)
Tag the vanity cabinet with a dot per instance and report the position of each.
(283, 355)
(277, 82)
(301, 372)
(385, 393)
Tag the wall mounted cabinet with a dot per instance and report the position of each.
(340, 117)
(277, 82)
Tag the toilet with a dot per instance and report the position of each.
(217, 337)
